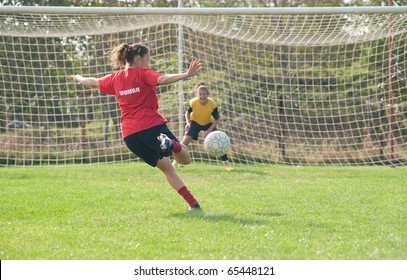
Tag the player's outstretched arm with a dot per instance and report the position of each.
(194, 69)
(87, 82)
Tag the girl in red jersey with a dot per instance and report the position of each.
(144, 130)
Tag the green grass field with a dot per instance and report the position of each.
(127, 211)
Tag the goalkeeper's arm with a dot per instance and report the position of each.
(87, 82)
(211, 128)
(188, 119)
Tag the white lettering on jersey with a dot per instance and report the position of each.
(129, 91)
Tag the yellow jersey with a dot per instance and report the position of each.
(203, 114)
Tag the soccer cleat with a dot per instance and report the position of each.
(166, 144)
(195, 207)
(228, 167)
(176, 165)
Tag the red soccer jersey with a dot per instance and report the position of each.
(135, 89)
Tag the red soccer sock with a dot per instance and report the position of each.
(186, 194)
(176, 146)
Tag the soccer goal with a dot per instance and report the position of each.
(293, 85)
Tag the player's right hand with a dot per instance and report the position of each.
(187, 126)
(75, 78)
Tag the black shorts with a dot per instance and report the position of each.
(195, 128)
(145, 144)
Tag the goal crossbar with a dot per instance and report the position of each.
(202, 11)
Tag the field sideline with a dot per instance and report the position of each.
(127, 211)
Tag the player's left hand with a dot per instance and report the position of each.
(206, 132)
(194, 68)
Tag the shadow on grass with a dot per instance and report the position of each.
(248, 171)
(220, 170)
(215, 218)
(269, 214)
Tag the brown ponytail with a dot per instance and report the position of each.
(125, 53)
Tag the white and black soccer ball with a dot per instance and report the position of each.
(217, 143)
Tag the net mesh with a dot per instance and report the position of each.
(296, 89)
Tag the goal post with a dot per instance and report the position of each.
(180, 70)
(293, 85)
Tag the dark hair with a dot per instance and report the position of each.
(125, 53)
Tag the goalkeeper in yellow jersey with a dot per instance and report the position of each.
(202, 115)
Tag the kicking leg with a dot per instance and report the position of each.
(183, 157)
(179, 150)
(181, 153)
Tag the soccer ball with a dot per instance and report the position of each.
(217, 143)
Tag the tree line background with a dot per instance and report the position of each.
(297, 116)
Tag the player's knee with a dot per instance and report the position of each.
(186, 161)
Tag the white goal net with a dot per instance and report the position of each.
(291, 88)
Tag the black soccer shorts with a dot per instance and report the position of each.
(145, 143)
(195, 128)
